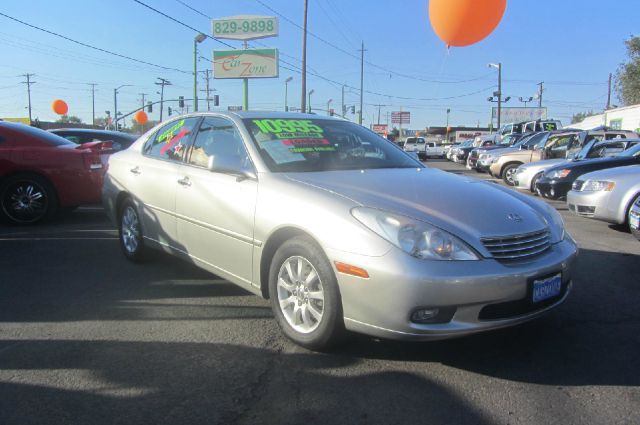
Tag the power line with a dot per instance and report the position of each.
(91, 46)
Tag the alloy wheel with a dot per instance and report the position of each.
(130, 229)
(300, 294)
(25, 202)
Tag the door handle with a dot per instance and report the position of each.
(136, 170)
(184, 182)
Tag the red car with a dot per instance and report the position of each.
(41, 173)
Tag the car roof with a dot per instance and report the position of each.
(91, 131)
(271, 114)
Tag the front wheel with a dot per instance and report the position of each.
(304, 295)
(27, 199)
(534, 183)
(508, 173)
(130, 233)
(634, 222)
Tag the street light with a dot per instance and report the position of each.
(309, 101)
(329, 106)
(525, 100)
(198, 39)
(115, 105)
(448, 111)
(498, 66)
(286, 93)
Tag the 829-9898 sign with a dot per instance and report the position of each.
(245, 27)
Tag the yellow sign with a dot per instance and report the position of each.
(25, 121)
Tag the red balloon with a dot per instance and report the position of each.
(464, 22)
(60, 107)
(141, 117)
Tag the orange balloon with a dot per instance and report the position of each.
(141, 117)
(60, 107)
(464, 22)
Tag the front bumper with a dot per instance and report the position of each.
(592, 204)
(523, 179)
(483, 294)
(553, 189)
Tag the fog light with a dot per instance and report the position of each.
(424, 315)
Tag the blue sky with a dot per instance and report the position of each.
(570, 45)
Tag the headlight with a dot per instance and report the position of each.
(598, 185)
(558, 174)
(416, 238)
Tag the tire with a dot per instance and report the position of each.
(309, 311)
(508, 172)
(130, 233)
(534, 183)
(635, 232)
(27, 199)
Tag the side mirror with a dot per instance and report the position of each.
(230, 164)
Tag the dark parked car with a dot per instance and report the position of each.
(41, 172)
(81, 136)
(557, 181)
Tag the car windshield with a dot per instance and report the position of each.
(585, 150)
(523, 141)
(307, 145)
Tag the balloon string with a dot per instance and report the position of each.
(442, 67)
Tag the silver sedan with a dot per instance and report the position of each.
(338, 227)
(606, 194)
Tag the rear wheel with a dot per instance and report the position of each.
(27, 199)
(508, 173)
(304, 295)
(130, 233)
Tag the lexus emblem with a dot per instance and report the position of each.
(514, 217)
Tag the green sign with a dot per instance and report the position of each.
(245, 27)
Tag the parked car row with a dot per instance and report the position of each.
(423, 148)
(42, 173)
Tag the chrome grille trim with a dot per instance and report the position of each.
(516, 247)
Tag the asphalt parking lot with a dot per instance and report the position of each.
(89, 338)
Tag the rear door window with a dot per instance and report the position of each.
(171, 140)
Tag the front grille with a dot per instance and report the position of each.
(518, 247)
(577, 185)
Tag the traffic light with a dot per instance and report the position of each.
(181, 101)
(216, 100)
(149, 107)
(353, 109)
(169, 110)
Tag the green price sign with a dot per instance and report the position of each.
(245, 27)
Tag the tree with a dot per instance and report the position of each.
(395, 132)
(580, 116)
(69, 119)
(627, 83)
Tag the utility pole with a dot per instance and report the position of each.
(609, 94)
(303, 98)
(540, 94)
(344, 112)
(28, 83)
(163, 82)
(208, 90)
(93, 103)
(362, 50)
(379, 106)
(143, 95)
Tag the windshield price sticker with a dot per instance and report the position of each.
(290, 129)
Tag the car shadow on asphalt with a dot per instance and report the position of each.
(592, 339)
(107, 382)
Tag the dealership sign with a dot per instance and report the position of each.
(461, 136)
(515, 114)
(250, 63)
(379, 128)
(401, 117)
(245, 27)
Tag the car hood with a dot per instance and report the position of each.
(596, 163)
(541, 165)
(614, 174)
(466, 207)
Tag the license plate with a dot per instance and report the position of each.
(547, 288)
(634, 222)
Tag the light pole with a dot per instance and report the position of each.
(448, 111)
(309, 101)
(198, 39)
(115, 105)
(499, 92)
(525, 100)
(286, 94)
(329, 106)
